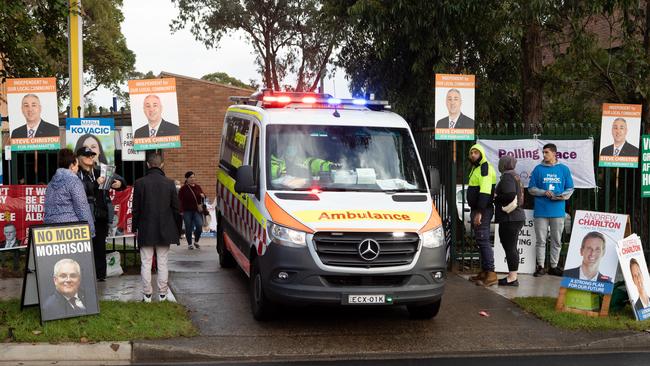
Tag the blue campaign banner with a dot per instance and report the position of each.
(604, 288)
(96, 133)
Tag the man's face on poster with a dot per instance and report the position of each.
(592, 251)
(10, 233)
(67, 280)
(152, 108)
(31, 108)
(637, 276)
(453, 102)
(619, 131)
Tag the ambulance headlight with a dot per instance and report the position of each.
(432, 238)
(287, 237)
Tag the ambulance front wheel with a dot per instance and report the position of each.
(426, 311)
(261, 306)
(225, 257)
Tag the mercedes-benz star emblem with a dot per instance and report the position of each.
(369, 249)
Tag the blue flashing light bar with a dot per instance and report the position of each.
(334, 101)
(359, 101)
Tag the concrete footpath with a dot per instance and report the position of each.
(217, 300)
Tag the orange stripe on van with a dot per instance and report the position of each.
(434, 221)
(243, 261)
(281, 217)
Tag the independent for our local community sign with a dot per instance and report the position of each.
(33, 114)
(454, 107)
(154, 114)
(619, 136)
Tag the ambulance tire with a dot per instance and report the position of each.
(261, 306)
(427, 311)
(225, 257)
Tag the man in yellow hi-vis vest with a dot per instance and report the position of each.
(480, 193)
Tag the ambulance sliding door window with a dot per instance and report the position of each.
(255, 157)
(234, 145)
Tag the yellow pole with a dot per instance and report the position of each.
(75, 57)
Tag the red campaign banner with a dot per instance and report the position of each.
(21, 206)
(122, 204)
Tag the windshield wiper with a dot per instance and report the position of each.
(404, 190)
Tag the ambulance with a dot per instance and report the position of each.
(323, 201)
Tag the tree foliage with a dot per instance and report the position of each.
(394, 48)
(291, 38)
(224, 78)
(33, 42)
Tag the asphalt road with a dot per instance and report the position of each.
(219, 305)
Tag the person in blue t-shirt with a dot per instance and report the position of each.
(551, 184)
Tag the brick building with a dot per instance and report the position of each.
(201, 109)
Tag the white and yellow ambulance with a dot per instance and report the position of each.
(324, 201)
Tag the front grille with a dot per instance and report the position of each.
(366, 280)
(342, 249)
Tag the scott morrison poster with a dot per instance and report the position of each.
(65, 271)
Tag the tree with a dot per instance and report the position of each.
(289, 37)
(394, 49)
(224, 78)
(33, 42)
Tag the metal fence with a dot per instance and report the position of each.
(618, 189)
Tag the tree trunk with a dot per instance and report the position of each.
(532, 84)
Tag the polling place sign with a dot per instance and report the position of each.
(577, 155)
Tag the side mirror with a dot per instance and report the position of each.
(244, 182)
(434, 180)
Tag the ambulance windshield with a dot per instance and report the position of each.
(342, 158)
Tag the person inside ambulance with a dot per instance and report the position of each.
(292, 167)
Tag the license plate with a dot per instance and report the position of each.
(366, 299)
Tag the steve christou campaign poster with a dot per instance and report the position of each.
(635, 272)
(96, 133)
(619, 136)
(154, 114)
(33, 114)
(454, 107)
(20, 208)
(591, 259)
(65, 270)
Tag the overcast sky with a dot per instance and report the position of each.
(146, 28)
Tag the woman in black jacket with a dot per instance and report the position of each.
(509, 215)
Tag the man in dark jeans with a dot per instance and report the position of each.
(480, 193)
(99, 202)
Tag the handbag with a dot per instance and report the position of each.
(510, 206)
(199, 206)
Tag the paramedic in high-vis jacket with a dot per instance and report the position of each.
(480, 193)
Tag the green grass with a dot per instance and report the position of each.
(117, 321)
(544, 308)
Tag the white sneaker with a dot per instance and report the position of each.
(191, 247)
(162, 297)
(146, 298)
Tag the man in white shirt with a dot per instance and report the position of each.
(592, 251)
